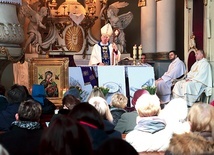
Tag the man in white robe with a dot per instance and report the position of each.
(198, 79)
(105, 53)
(175, 70)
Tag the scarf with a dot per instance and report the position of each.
(150, 125)
(27, 125)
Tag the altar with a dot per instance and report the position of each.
(119, 79)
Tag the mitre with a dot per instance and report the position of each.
(107, 30)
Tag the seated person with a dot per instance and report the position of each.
(127, 121)
(198, 79)
(15, 95)
(115, 146)
(164, 83)
(118, 104)
(150, 133)
(24, 135)
(143, 61)
(65, 137)
(39, 95)
(68, 103)
(200, 139)
(201, 119)
(102, 107)
(96, 92)
(92, 121)
(3, 99)
(189, 144)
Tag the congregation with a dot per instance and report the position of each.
(168, 122)
(96, 128)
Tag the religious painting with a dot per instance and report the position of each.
(52, 73)
(113, 78)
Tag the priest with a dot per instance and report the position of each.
(175, 70)
(198, 79)
(104, 52)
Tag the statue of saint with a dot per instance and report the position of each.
(34, 36)
(119, 23)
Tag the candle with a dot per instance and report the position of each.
(139, 51)
(64, 91)
(134, 51)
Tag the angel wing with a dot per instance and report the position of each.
(27, 10)
(119, 5)
(125, 19)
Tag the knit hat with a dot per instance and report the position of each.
(38, 93)
(73, 91)
(107, 30)
(137, 94)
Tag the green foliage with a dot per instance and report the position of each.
(104, 90)
(150, 89)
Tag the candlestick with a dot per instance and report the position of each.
(139, 51)
(134, 51)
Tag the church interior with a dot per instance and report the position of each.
(69, 29)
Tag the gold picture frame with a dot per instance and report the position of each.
(54, 69)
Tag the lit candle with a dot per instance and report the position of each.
(139, 51)
(134, 51)
(64, 91)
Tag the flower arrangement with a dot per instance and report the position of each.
(104, 90)
(150, 89)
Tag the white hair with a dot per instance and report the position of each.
(175, 113)
(148, 105)
(175, 110)
(102, 107)
(100, 104)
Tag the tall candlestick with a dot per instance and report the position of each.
(134, 51)
(139, 51)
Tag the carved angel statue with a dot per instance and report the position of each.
(35, 17)
(119, 23)
(192, 43)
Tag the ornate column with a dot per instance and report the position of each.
(148, 27)
(165, 25)
(11, 36)
(11, 32)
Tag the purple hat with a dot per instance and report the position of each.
(137, 94)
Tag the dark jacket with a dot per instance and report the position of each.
(116, 114)
(48, 107)
(97, 136)
(109, 129)
(7, 116)
(20, 141)
(3, 102)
